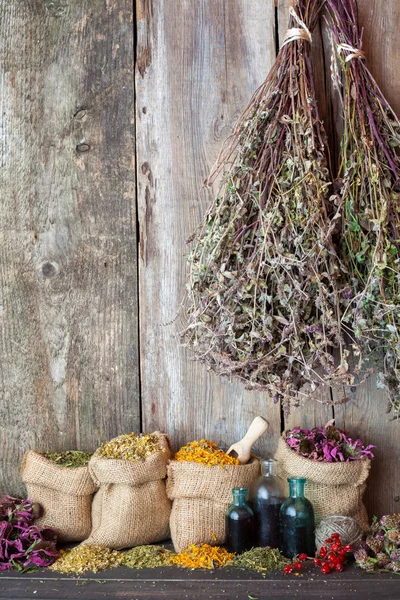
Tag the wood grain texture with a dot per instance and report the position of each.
(173, 583)
(197, 65)
(68, 300)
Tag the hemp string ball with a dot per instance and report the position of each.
(347, 527)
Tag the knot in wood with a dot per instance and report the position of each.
(82, 148)
(56, 8)
(80, 113)
(49, 269)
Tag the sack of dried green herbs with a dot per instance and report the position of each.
(62, 485)
(336, 468)
(131, 507)
(200, 482)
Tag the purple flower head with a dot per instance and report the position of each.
(22, 545)
(16, 510)
(327, 444)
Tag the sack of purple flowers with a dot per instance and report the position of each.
(336, 468)
(65, 494)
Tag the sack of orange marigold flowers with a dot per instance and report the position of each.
(131, 507)
(200, 482)
(336, 468)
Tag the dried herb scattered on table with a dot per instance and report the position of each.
(130, 446)
(327, 444)
(146, 557)
(70, 458)
(84, 558)
(205, 453)
(24, 546)
(381, 549)
(261, 560)
(369, 191)
(263, 293)
(16, 510)
(202, 556)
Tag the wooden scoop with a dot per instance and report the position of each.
(242, 449)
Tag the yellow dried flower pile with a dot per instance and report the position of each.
(87, 558)
(130, 446)
(206, 453)
(202, 556)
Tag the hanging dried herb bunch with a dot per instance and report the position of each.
(263, 299)
(369, 186)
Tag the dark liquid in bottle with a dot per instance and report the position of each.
(240, 531)
(266, 523)
(295, 540)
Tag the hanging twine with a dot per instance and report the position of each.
(347, 527)
(297, 33)
(354, 52)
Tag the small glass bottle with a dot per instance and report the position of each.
(266, 497)
(239, 520)
(297, 521)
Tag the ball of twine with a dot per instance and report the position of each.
(347, 527)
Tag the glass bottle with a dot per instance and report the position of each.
(266, 497)
(297, 521)
(239, 520)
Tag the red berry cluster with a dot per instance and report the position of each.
(331, 557)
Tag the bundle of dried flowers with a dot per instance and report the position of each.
(369, 185)
(264, 303)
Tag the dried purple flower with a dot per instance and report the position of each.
(328, 444)
(375, 542)
(382, 560)
(22, 545)
(360, 555)
(17, 511)
(381, 547)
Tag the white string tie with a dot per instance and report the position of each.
(297, 33)
(354, 52)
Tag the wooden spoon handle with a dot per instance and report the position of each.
(257, 428)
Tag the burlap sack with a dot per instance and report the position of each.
(201, 494)
(64, 493)
(333, 488)
(131, 507)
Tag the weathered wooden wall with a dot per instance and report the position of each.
(69, 343)
(68, 285)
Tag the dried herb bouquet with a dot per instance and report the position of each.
(369, 188)
(263, 291)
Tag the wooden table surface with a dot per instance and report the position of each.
(178, 584)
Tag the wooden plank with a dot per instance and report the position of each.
(380, 43)
(177, 584)
(197, 66)
(68, 301)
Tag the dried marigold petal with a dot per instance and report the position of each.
(205, 453)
